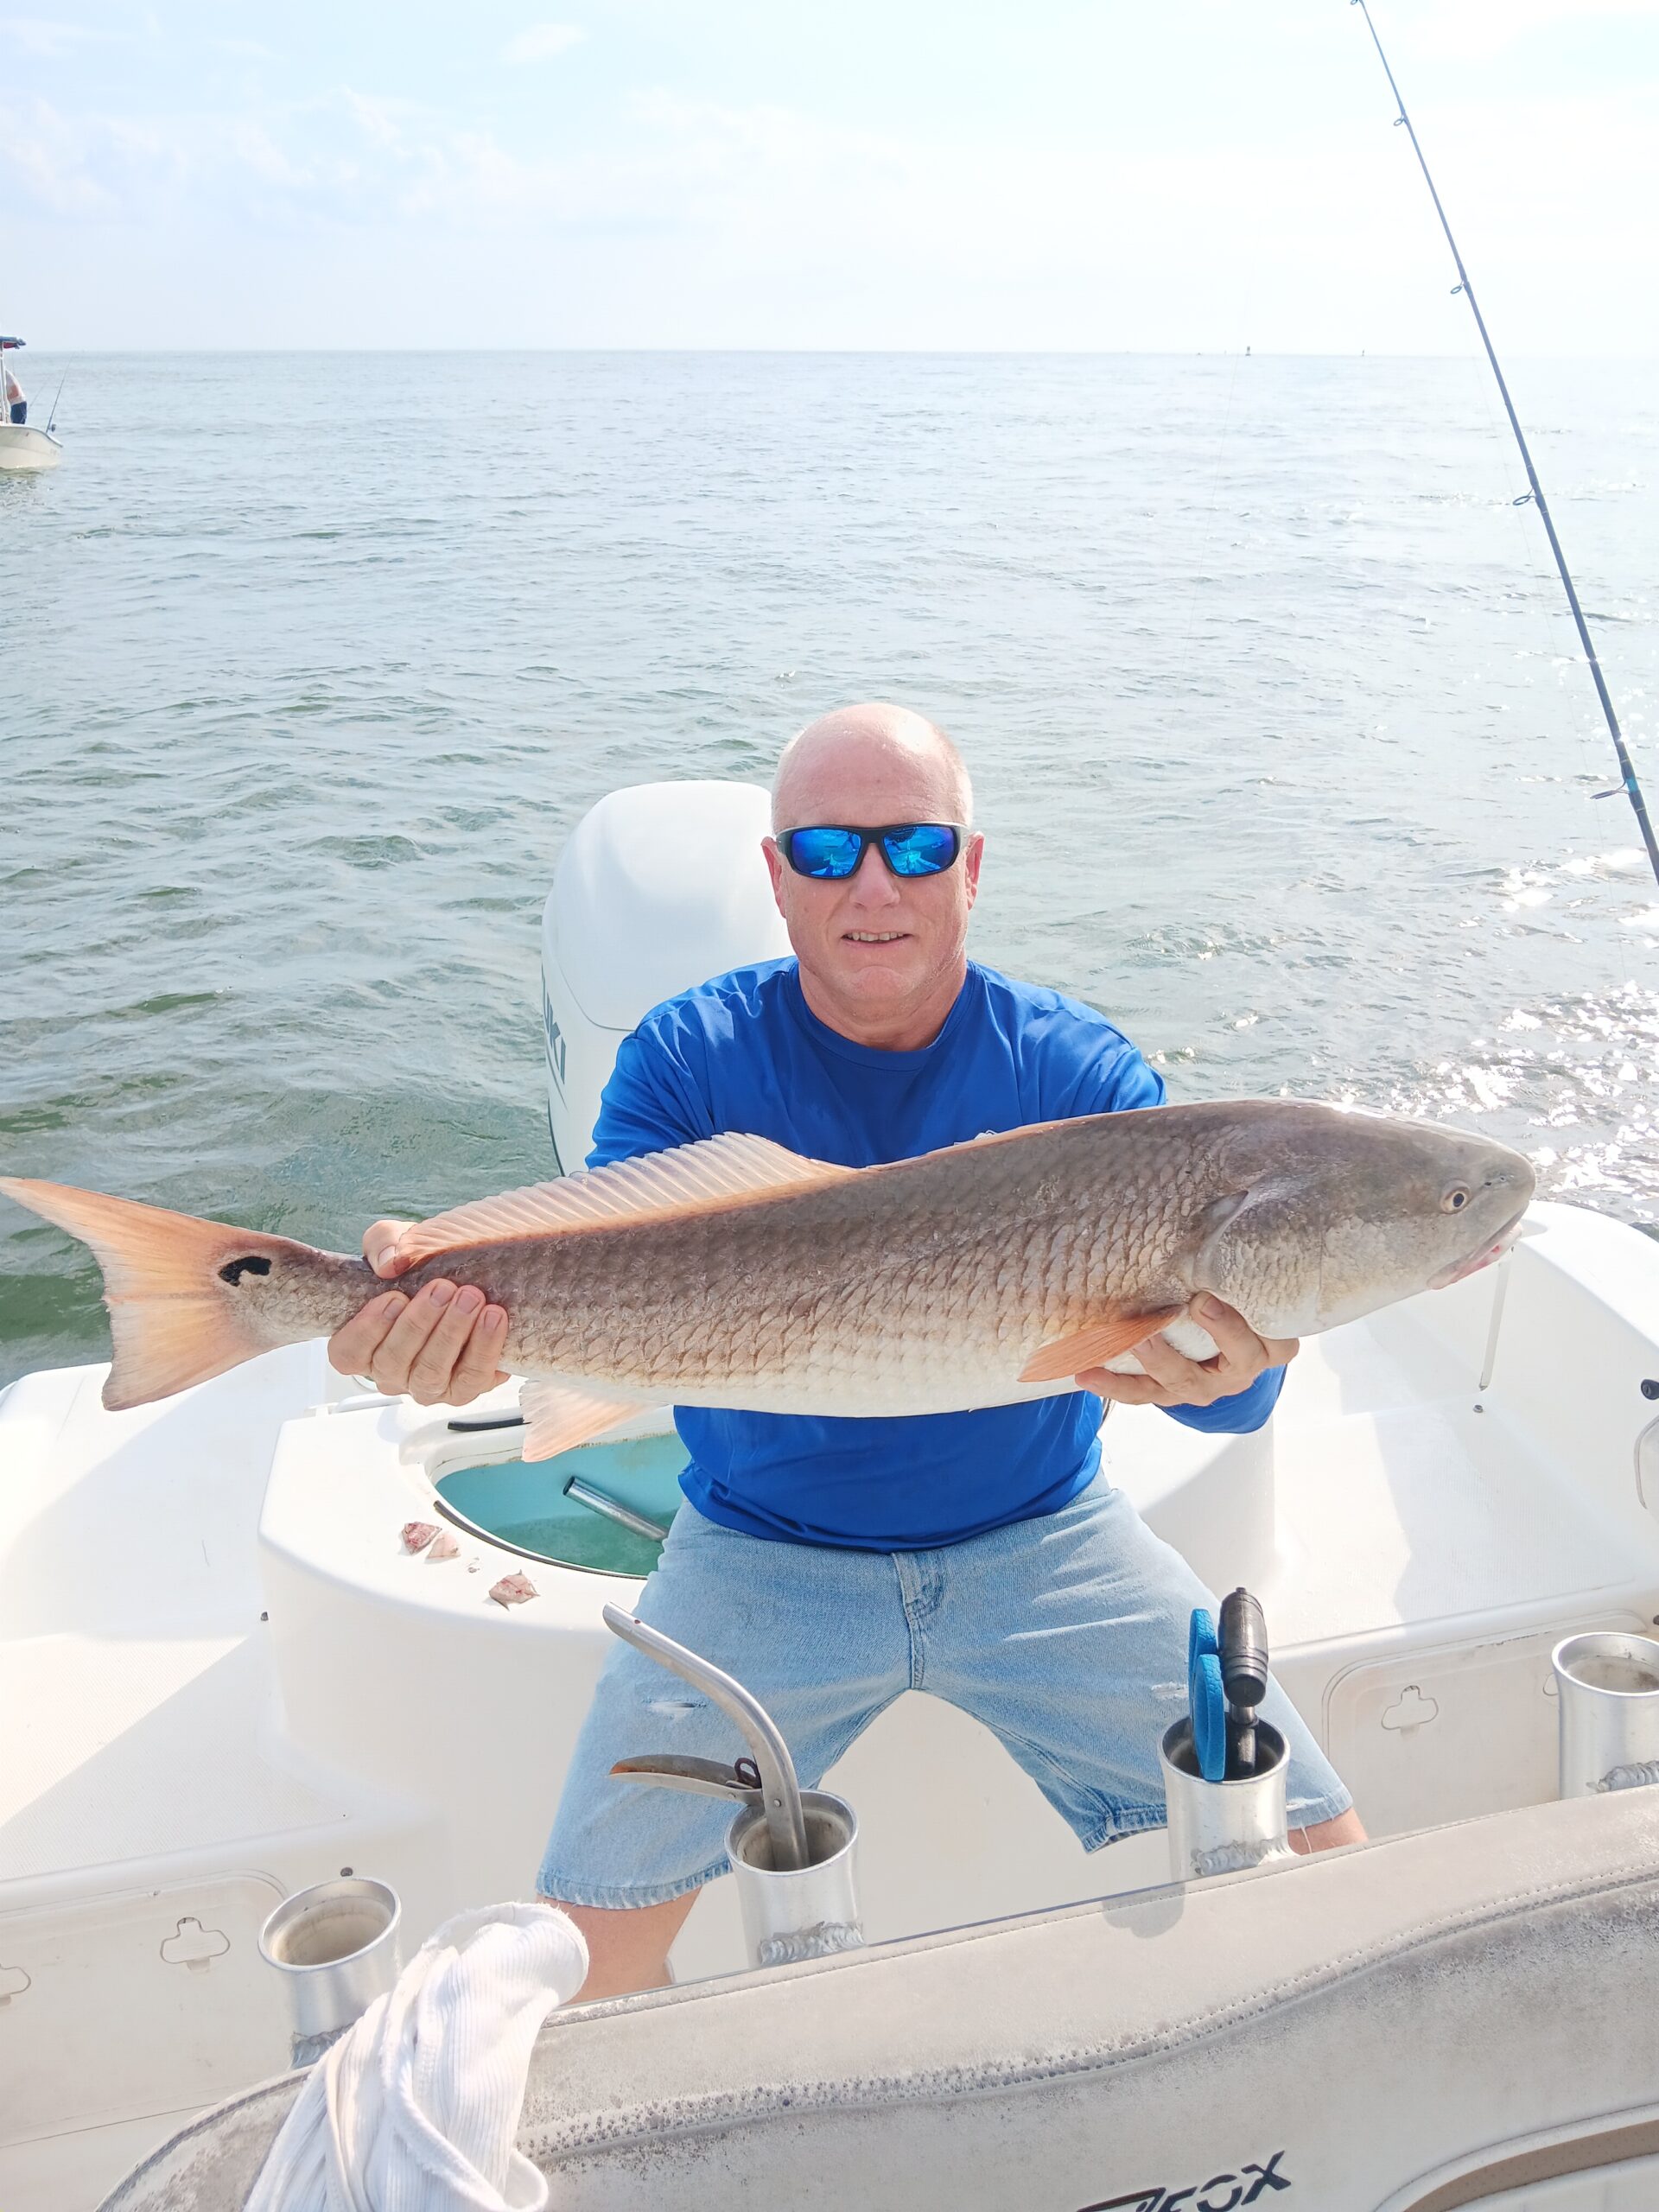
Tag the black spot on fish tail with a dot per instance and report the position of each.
(233, 1270)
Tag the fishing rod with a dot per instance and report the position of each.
(57, 396)
(1628, 783)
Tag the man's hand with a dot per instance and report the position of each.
(440, 1346)
(1170, 1380)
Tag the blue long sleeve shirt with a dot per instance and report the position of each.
(745, 1052)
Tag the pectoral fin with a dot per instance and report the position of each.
(1094, 1345)
(558, 1414)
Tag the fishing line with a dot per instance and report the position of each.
(1555, 653)
(1627, 783)
(1559, 653)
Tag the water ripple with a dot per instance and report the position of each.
(1277, 726)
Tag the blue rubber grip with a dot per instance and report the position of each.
(1206, 1700)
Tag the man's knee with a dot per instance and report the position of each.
(628, 1948)
(1330, 1835)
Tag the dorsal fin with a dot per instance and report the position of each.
(691, 1179)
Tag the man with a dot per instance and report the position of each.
(16, 401)
(831, 1563)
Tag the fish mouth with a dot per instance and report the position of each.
(1483, 1256)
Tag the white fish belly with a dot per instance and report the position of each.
(876, 1380)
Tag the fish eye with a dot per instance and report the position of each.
(1455, 1199)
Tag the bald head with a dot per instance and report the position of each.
(886, 750)
(883, 956)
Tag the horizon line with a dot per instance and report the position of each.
(832, 352)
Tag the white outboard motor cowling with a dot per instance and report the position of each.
(660, 886)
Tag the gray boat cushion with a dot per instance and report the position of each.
(1349, 2033)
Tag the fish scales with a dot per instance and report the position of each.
(867, 1287)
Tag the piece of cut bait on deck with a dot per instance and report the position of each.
(512, 1590)
(417, 1534)
(443, 1546)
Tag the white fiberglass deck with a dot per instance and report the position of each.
(223, 1678)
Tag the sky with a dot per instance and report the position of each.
(1158, 175)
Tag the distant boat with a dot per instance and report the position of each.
(25, 450)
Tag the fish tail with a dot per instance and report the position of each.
(173, 1285)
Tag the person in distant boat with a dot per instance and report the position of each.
(831, 1564)
(16, 400)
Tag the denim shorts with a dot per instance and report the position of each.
(1065, 1636)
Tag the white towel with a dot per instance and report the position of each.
(416, 2108)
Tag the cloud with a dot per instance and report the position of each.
(43, 159)
(46, 42)
(1473, 30)
(687, 221)
(541, 41)
(342, 165)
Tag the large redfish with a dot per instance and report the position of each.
(733, 1273)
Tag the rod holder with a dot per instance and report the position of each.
(1223, 1827)
(812, 1912)
(335, 1946)
(1608, 1686)
(791, 1850)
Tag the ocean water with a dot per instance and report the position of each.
(1284, 756)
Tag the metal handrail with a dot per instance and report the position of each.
(780, 1792)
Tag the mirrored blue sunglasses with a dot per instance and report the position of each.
(830, 854)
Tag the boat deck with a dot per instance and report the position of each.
(227, 1680)
(1392, 1506)
(132, 1661)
